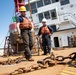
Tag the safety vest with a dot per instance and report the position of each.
(26, 24)
(45, 30)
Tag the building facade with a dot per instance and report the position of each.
(60, 15)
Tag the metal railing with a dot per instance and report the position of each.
(70, 17)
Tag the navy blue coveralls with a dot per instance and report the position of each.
(46, 40)
(26, 35)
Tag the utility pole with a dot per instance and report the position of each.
(30, 10)
(32, 21)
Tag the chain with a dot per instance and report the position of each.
(71, 56)
(31, 68)
(41, 64)
(10, 61)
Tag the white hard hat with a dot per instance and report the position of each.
(44, 20)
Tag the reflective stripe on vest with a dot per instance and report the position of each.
(45, 30)
(25, 24)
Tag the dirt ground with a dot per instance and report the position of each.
(54, 70)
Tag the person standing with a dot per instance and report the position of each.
(25, 26)
(46, 32)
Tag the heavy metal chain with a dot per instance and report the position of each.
(71, 56)
(10, 61)
(41, 64)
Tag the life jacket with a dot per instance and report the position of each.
(26, 24)
(45, 30)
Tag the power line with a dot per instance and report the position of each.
(4, 39)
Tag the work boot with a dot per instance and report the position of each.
(31, 59)
(44, 53)
(48, 54)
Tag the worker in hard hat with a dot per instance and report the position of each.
(25, 30)
(46, 32)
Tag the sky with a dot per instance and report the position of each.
(6, 14)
